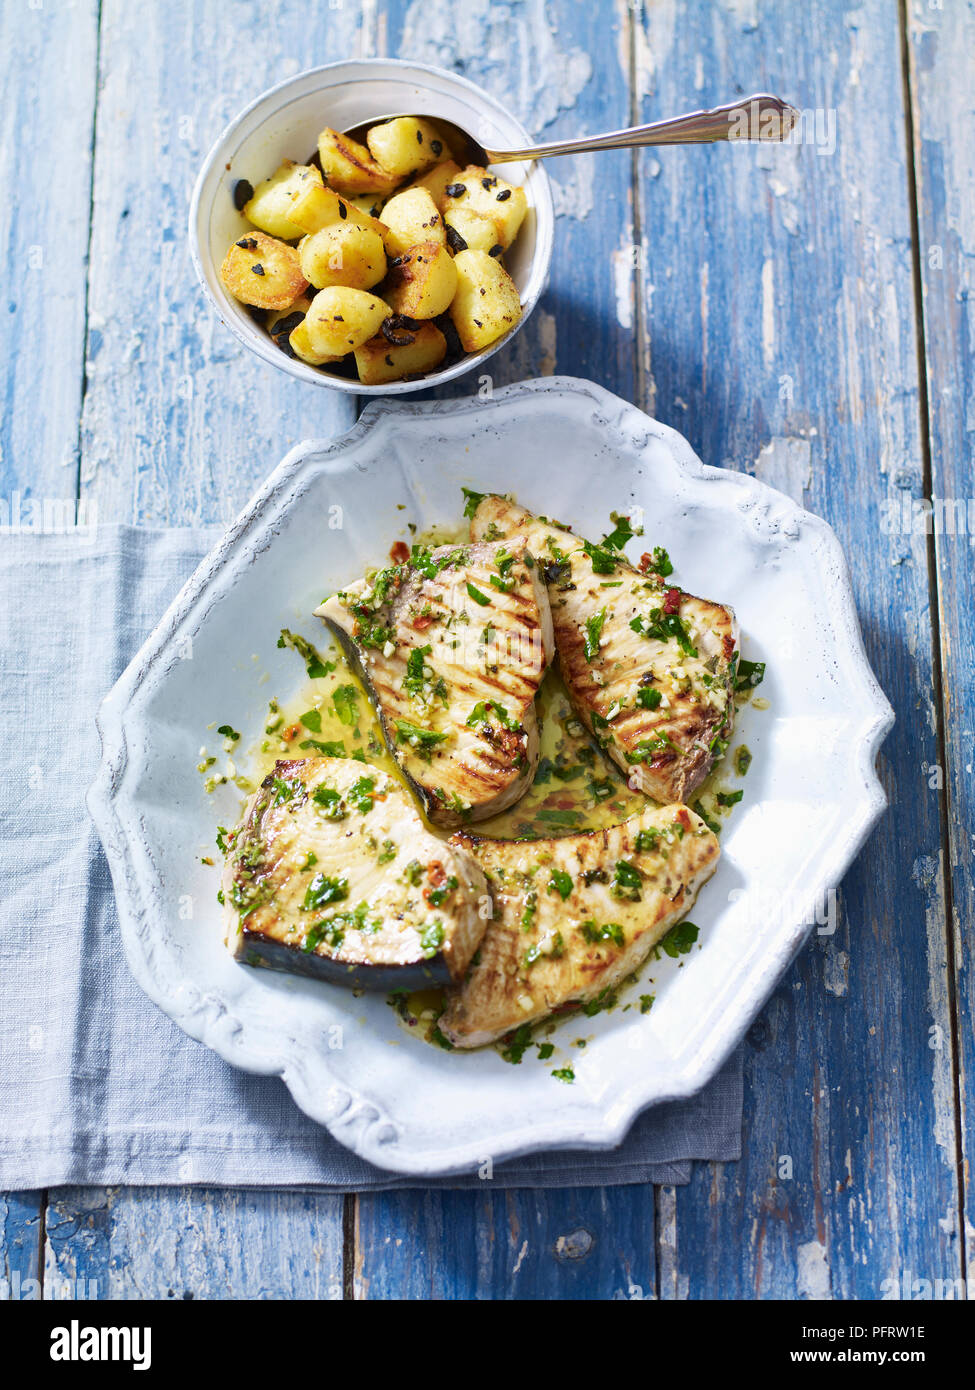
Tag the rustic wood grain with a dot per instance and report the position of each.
(164, 1242)
(780, 338)
(45, 165)
(180, 421)
(941, 45)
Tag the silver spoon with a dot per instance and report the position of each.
(757, 117)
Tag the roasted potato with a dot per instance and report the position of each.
(317, 207)
(423, 282)
(269, 209)
(486, 303)
(343, 254)
(479, 191)
(409, 218)
(406, 145)
(379, 360)
(349, 167)
(301, 347)
(466, 228)
(371, 204)
(435, 180)
(260, 270)
(341, 319)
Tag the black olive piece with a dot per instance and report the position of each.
(281, 341)
(455, 348)
(419, 137)
(503, 196)
(288, 324)
(496, 249)
(488, 183)
(389, 361)
(454, 240)
(343, 210)
(437, 147)
(399, 330)
(247, 243)
(243, 193)
(257, 268)
(455, 190)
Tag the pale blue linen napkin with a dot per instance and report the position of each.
(96, 1085)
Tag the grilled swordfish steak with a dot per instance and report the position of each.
(332, 873)
(574, 916)
(650, 669)
(452, 646)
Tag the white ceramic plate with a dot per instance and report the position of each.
(571, 450)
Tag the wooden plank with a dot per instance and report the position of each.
(563, 68)
(573, 1243)
(191, 1243)
(780, 339)
(181, 423)
(45, 166)
(940, 42)
(20, 1231)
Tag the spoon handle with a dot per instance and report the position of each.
(758, 117)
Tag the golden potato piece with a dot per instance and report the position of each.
(341, 319)
(301, 347)
(269, 209)
(406, 145)
(423, 282)
(370, 204)
(409, 218)
(435, 180)
(486, 303)
(470, 228)
(379, 360)
(477, 190)
(343, 254)
(263, 271)
(315, 208)
(349, 167)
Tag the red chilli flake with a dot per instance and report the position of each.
(422, 622)
(399, 551)
(728, 643)
(672, 600)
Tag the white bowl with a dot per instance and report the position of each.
(285, 123)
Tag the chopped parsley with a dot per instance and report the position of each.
(623, 531)
(648, 698)
(594, 631)
(729, 798)
(432, 939)
(312, 719)
(627, 881)
(344, 700)
(564, 1074)
(472, 500)
(331, 802)
(475, 593)
(679, 939)
(749, 674)
(603, 561)
(560, 883)
(316, 666)
(424, 740)
(323, 890)
(604, 931)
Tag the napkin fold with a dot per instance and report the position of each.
(97, 1086)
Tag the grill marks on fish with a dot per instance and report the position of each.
(452, 647)
(332, 873)
(575, 916)
(657, 696)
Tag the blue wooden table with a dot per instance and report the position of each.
(803, 313)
